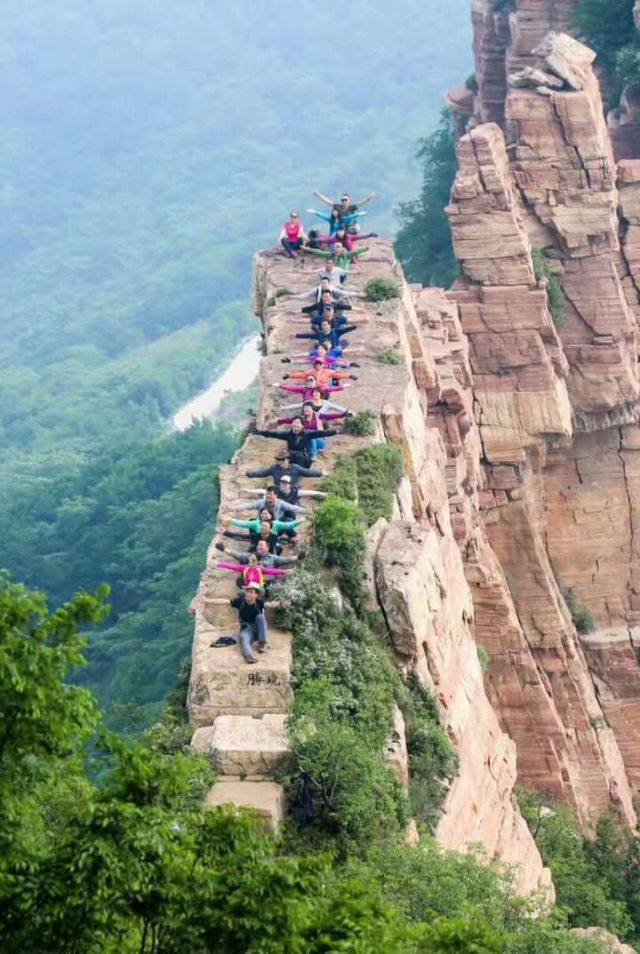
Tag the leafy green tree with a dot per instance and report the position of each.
(423, 243)
(586, 889)
(606, 26)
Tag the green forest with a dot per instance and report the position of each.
(147, 150)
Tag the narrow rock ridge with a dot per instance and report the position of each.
(540, 212)
(423, 566)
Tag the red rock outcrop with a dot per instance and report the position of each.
(556, 405)
(415, 568)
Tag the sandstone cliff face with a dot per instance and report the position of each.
(417, 573)
(556, 404)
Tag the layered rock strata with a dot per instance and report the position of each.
(417, 573)
(546, 299)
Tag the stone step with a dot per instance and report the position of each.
(265, 798)
(244, 745)
(223, 684)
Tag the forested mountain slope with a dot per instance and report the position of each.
(144, 150)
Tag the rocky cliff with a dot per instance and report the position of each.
(515, 405)
(416, 566)
(544, 225)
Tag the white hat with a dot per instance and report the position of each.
(254, 586)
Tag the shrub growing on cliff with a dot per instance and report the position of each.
(432, 761)
(596, 881)
(370, 477)
(362, 424)
(381, 289)
(423, 244)
(555, 296)
(607, 27)
(580, 614)
(389, 356)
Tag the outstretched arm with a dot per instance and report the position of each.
(265, 472)
(278, 435)
(323, 198)
(316, 251)
(327, 433)
(222, 565)
(272, 571)
(367, 198)
(321, 215)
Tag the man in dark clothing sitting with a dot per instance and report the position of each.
(298, 440)
(284, 465)
(251, 619)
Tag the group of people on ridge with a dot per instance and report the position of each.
(274, 517)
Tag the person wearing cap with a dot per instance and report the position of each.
(292, 235)
(252, 624)
(285, 466)
(299, 441)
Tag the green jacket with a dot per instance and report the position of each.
(343, 260)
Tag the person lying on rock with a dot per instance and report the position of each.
(292, 235)
(336, 318)
(311, 418)
(327, 298)
(346, 238)
(276, 507)
(251, 619)
(329, 335)
(311, 422)
(338, 254)
(285, 466)
(306, 390)
(330, 357)
(336, 218)
(315, 294)
(287, 492)
(323, 377)
(344, 204)
(255, 524)
(252, 572)
(261, 553)
(262, 527)
(336, 276)
(319, 405)
(299, 441)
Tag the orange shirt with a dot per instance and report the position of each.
(322, 376)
